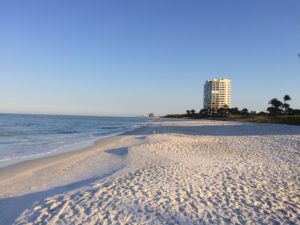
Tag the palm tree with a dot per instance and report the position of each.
(286, 98)
(193, 111)
(275, 103)
(286, 106)
(276, 106)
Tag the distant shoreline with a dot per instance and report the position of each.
(280, 119)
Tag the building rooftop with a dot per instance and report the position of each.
(219, 79)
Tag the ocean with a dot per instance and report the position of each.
(24, 137)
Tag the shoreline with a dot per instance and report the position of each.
(13, 173)
(33, 180)
(264, 119)
(66, 149)
(41, 161)
(186, 172)
(17, 169)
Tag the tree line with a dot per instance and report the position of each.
(277, 108)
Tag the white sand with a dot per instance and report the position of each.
(189, 172)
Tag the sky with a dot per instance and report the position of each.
(130, 57)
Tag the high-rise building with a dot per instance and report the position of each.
(217, 93)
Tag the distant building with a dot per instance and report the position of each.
(217, 93)
(151, 115)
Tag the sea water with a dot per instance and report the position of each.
(24, 137)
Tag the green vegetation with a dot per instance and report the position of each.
(279, 108)
(278, 112)
(282, 119)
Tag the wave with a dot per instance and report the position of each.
(48, 139)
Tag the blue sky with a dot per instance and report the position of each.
(133, 57)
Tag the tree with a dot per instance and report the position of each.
(275, 103)
(188, 112)
(276, 107)
(245, 111)
(205, 112)
(223, 112)
(286, 106)
(286, 98)
(272, 110)
(193, 111)
(234, 111)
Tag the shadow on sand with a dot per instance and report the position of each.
(12, 207)
(118, 151)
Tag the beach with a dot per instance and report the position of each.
(167, 172)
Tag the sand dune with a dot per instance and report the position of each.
(185, 175)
